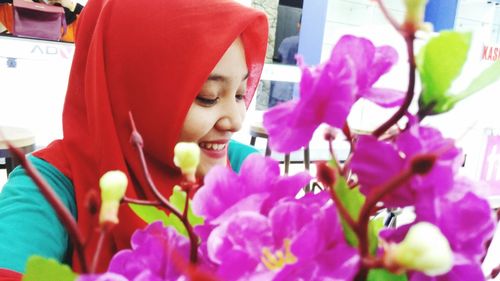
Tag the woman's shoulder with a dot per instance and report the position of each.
(20, 183)
(40, 232)
(46, 169)
(238, 152)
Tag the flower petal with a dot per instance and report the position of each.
(285, 135)
(384, 97)
(217, 193)
(385, 57)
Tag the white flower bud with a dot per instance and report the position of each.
(424, 249)
(187, 158)
(415, 10)
(113, 185)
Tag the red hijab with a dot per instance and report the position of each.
(151, 58)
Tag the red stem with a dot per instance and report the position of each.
(137, 141)
(395, 182)
(388, 16)
(140, 202)
(62, 212)
(193, 239)
(100, 242)
(409, 38)
(494, 273)
(371, 200)
(186, 207)
(330, 148)
(373, 262)
(364, 216)
(347, 132)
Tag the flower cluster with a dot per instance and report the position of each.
(262, 232)
(260, 225)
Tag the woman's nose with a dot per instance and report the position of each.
(231, 118)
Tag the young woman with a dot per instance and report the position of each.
(185, 69)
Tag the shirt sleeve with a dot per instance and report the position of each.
(28, 224)
(238, 152)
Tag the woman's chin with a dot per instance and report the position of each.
(207, 164)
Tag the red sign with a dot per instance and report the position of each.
(491, 53)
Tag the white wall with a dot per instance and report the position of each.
(32, 93)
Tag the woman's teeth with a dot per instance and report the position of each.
(212, 146)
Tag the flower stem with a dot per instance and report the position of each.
(62, 212)
(193, 239)
(347, 132)
(371, 200)
(364, 216)
(409, 39)
(494, 273)
(140, 202)
(388, 16)
(186, 206)
(136, 140)
(97, 254)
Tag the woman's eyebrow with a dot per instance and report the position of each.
(221, 78)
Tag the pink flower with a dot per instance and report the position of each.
(327, 92)
(375, 162)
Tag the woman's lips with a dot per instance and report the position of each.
(214, 149)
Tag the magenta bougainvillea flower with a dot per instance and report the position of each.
(467, 224)
(107, 276)
(298, 239)
(255, 228)
(375, 162)
(225, 193)
(256, 188)
(158, 253)
(327, 92)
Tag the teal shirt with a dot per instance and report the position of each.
(29, 225)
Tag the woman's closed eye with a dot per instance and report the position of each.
(240, 97)
(207, 101)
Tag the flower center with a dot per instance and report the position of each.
(279, 259)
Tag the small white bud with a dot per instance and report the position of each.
(424, 249)
(113, 185)
(415, 10)
(187, 158)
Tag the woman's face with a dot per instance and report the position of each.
(219, 108)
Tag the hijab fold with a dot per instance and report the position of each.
(150, 58)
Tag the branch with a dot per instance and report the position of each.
(140, 202)
(409, 93)
(371, 200)
(95, 261)
(388, 16)
(136, 140)
(494, 273)
(62, 212)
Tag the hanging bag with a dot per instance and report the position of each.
(38, 20)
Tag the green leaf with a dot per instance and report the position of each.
(352, 200)
(384, 275)
(148, 213)
(43, 269)
(151, 213)
(439, 63)
(374, 228)
(486, 78)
